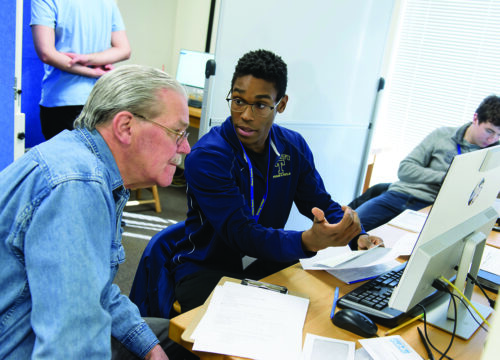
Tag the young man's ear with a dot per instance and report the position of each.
(475, 119)
(282, 105)
(122, 126)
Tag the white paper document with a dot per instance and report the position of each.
(252, 322)
(320, 347)
(389, 348)
(491, 260)
(409, 220)
(344, 258)
(354, 275)
(352, 266)
(316, 262)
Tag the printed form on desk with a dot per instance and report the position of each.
(491, 260)
(252, 322)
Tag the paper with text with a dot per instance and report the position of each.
(252, 322)
(389, 348)
(352, 266)
(491, 260)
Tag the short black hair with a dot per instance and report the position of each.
(265, 65)
(489, 110)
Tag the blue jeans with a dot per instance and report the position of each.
(385, 207)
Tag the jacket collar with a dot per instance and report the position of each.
(230, 135)
(96, 143)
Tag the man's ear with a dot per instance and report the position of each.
(122, 127)
(282, 105)
(475, 119)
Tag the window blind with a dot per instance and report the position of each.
(446, 59)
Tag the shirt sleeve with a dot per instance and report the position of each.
(117, 21)
(68, 264)
(415, 167)
(43, 12)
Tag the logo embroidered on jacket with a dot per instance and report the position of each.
(282, 166)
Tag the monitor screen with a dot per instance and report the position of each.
(459, 222)
(191, 68)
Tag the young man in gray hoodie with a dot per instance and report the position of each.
(423, 170)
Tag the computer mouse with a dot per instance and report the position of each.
(355, 322)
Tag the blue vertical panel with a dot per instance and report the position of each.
(31, 82)
(7, 49)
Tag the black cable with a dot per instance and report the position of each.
(472, 314)
(427, 337)
(441, 286)
(480, 286)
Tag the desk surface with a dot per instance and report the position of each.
(319, 286)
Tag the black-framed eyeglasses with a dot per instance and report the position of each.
(258, 108)
(179, 135)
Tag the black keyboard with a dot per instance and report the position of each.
(372, 299)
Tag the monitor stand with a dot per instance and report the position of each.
(436, 314)
(440, 313)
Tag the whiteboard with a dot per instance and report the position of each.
(334, 51)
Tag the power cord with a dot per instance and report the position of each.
(476, 282)
(442, 278)
(440, 286)
(470, 312)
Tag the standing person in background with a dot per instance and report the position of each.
(423, 170)
(78, 41)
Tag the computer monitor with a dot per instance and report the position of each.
(452, 240)
(191, 68)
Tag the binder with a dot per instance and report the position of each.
(489, 280)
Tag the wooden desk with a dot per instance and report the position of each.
(494, 239)
(194, 117)
(320, 285)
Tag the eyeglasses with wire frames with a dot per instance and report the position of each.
(258, 108)
(179, 135)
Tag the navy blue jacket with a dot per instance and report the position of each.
(220, 228)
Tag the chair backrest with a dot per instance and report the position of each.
(153, 288)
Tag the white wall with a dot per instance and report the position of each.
(158, 29)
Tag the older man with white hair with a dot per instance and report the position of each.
(60, 222)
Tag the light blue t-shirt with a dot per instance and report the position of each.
(82, 27)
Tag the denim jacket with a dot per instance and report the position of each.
(60, 247)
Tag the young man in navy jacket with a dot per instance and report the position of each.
(242, 179)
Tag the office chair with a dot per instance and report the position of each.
(370, 193)
(153, 289)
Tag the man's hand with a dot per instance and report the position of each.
(366, 242)
(322, 234)
(81, 59)
(156, 353)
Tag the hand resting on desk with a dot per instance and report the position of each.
(322, 234)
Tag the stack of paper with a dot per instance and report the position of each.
(410, 220)
(252, 322)
(352, 266)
